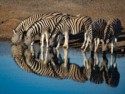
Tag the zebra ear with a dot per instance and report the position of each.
(14, 32)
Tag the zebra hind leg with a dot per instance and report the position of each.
(65, 45)
(32, 48)
(86, 45)
(42, 40)
(97, 44)
(83, 45)
(47, 38)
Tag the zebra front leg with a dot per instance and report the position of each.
(58, 45)
(65, 58)
(97, 44)
(65, 45)
(86, 45)
(96, 59)
(59, 40)
(42, 40)
(113, 60)
(32, 48)
(115, 44)
(83, 45)
(42, 53)
(60, 60)
(46, 57)
(86, 62)
(47, 39)
(112, 46)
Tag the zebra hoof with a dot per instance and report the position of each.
(64, 46)
(81, 48)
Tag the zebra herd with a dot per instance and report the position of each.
(53, 65)
(52, 27)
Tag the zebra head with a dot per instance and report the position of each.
(17, 37)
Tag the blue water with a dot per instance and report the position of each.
(14, 80)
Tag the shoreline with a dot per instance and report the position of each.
(75, 41)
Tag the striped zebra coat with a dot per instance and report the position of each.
(43, 27)
(38, 67)
(72, 25)
(21, 29)
(94, 34)
(111, 33)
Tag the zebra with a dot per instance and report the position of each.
(111, 33)
(20, 30)
(72, 25)
(38, 67)
(97, 73)
(43, 27)
(87, 66)
(75, 73)
(18, 56)
(60, 65)
(113, 73)
(94, 34)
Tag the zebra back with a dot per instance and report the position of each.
(79, 24)
(21, 29)
(113, 28)
(25, 24)
(96, 29)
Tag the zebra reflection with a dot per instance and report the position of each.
(101, 73)
(18, 56)
(53, 65)
(113, 74)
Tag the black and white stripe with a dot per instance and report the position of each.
(94, 34)
(112, 31)
(18, 33)
(44, 27)
(72, 25)
(38, 66)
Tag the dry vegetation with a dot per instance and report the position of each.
(12, 12)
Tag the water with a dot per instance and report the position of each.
(14, 80)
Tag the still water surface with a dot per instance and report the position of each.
(14, 80)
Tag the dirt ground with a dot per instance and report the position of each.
(12, 12)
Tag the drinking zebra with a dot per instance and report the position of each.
(19, 32)
(111, 33)
(94, 34)
(43, 27)
(72, 25)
